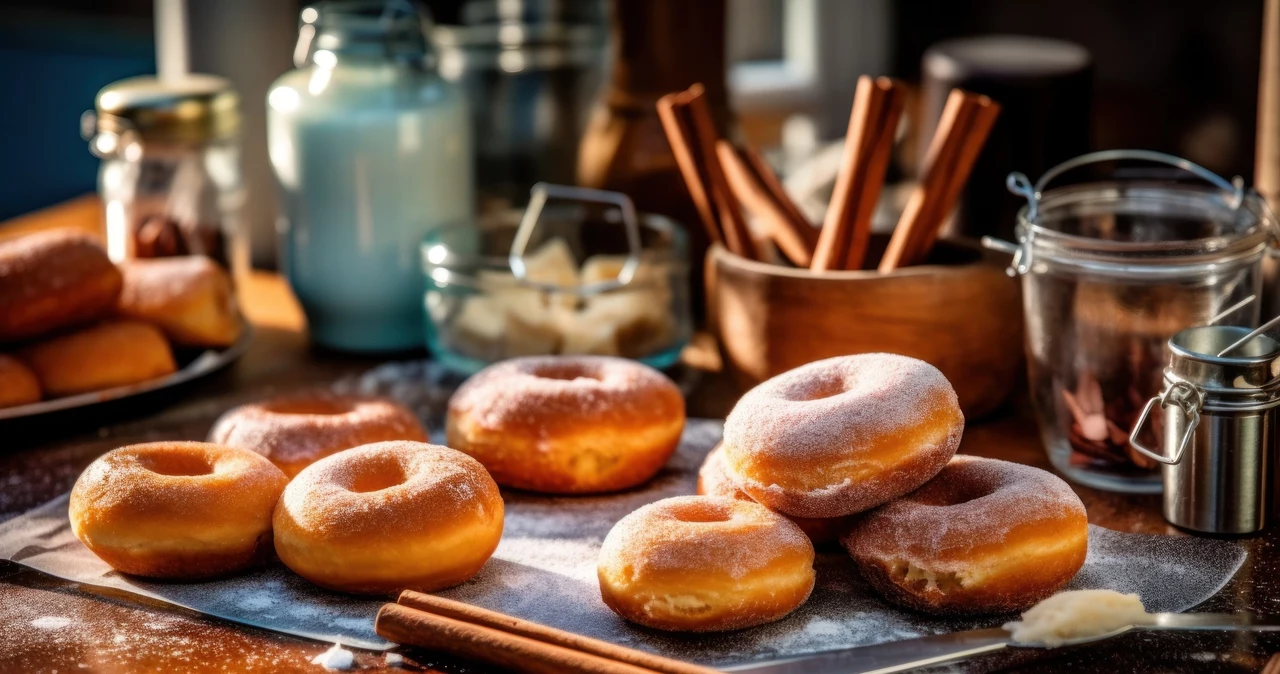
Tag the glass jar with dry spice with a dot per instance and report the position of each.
(1112, 268)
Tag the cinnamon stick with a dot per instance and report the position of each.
(404, 625)
(790, 236)
(498, 621)
(680, 135)
(983, 119)
(764, 173)
(861, 167)
(921, 213)
(873, 181)
(737, 237)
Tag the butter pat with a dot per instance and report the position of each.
(1076, 615)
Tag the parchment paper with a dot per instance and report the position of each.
(544, 570)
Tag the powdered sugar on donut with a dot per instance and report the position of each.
(303, 427)
(435, 485)
(658, 539)
(824, 407)
(842, 435)
(552, 393)
(974, 502)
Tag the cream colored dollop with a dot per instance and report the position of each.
(1077, 614)
(336, 658)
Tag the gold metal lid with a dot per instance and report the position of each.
(194, 108)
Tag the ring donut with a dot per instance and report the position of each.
(297, 430)
(714, 481)
(567, 424)
(985, 536)
(389, 516)
(705, 564)
(842, 435)
(177, 510)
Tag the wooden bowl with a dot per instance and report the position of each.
(959, 312)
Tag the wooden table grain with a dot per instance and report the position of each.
(48, 625)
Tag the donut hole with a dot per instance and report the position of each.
(816, 389)
(698, 512)
(377, 475)
(565, 371)
(177, 464)
(309, 406)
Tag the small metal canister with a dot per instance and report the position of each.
(1219, 430)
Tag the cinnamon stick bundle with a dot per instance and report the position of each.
(877, 107)
(966, 121)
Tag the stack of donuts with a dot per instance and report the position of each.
(72, 322)
(859, 449)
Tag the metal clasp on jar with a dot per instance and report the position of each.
(1189, 399)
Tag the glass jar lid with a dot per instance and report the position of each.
(192, 108)
(1138, 225)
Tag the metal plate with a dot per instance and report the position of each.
(202, 365)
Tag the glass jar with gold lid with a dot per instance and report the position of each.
(170, 178)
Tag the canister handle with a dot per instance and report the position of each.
(538, 197)
(1186, 397)
(1019, 184)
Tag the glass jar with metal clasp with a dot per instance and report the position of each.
(1111, 269)
(170, 178)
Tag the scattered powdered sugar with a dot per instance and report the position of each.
(50, 622)
(336, 658)
(543, 571)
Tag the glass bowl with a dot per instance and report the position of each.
(570, 300)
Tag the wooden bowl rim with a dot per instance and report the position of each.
(723, 255)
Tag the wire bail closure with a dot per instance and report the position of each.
(1020, 185)
(1189, 399)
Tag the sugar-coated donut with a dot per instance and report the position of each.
(714, 481)
(189, 297)
(705, 564)
(389, 516)
(108, 354)
(179, 510)
(295, 431)
(53, 280)
(842, 435)
(985, 536)
(567, 424)
(18, 384)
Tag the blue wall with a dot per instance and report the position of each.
(45, 85)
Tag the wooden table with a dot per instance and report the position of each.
(113, 632)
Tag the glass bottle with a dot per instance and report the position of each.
(370, 148)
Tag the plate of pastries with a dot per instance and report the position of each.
(77, 329)
(857, 452)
